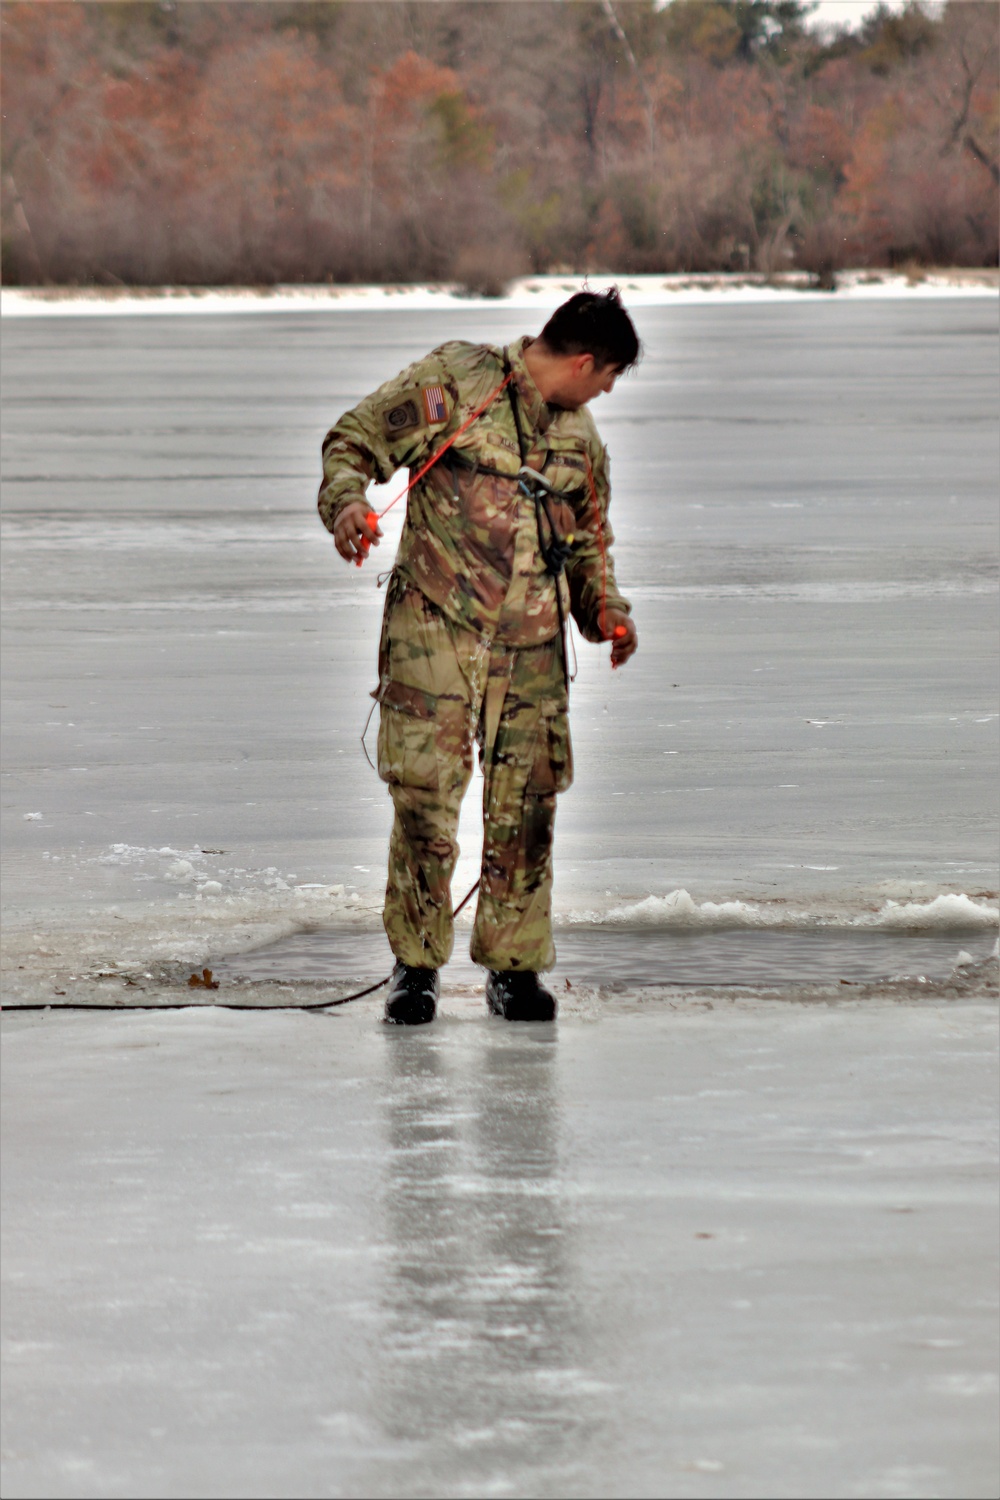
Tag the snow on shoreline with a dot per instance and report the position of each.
(529, 291)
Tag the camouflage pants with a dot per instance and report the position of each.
(440, 689)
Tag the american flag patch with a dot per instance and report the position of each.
(434, 404)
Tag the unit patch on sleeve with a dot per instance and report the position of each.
(402, 417)
(434, 404)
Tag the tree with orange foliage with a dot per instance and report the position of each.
(46, 86)
(920, 185)
(273, 156)
(213, 142)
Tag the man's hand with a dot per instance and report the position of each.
(351, 526)
(622, 634)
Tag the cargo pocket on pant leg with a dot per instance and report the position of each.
(551, 771)
(407, 738)
(552, 768)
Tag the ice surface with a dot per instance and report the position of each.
(655, 1250)
(805, 509)
(744, 1249)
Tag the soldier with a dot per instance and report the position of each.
(506, 530)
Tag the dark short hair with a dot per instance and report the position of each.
(594, 323)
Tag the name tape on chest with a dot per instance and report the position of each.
(499, 441)
(569, 460)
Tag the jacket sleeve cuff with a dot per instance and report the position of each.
(588, 617)
(331, 505)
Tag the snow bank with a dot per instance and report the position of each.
(530, 291)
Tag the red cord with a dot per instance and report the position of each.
(602, 617)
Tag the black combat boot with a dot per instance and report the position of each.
(517, 995)
(412, 995)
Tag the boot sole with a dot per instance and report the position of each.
(412, 1013)
(528, 1016)
(517, 1013)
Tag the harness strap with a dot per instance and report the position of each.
(456, 459)
(515, 409)
(556, 552)
(459, 459)
(602, 617)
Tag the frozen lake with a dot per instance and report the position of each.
(805, 501)
(685, 1242)
(740, 1251)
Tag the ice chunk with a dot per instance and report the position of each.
(950, 910)
(679, 909)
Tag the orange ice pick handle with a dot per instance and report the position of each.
(364, 545)
(618, 634)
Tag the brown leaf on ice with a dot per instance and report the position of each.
(203, 981)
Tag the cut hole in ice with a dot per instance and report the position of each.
(621, 956)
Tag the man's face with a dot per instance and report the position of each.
(584, 381)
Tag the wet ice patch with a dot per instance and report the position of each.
(964, 1383)
(202, 907)
(646, 956)
(201, 873)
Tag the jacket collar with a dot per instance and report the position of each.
(536, 414)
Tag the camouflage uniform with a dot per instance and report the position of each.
(470, 640)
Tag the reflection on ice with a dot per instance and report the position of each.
(330, 1257)
(484, 1340)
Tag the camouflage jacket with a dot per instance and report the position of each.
(470, 540)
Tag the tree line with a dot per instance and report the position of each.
(195, 142)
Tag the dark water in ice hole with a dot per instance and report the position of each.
(639, 956)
